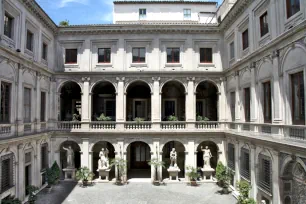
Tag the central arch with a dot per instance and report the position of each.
(138, 155)
(214, 151)
(63, 154)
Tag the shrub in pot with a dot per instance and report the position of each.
(138, 119)
(156, 163)
(244, 188)
(120, 164)
(193, 175)
(172, 118)
(223, 175)
(32, 194)
(11, 200)
(103, 117)
(85, 175)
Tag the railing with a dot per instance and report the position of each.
(246, 127)
(5, 129)
(207, 125)
(71, 125)
(267, 129)
(172, 125)
(27, 127)
(43, 126)
(297, 132)
(103, 125)
(144, 125)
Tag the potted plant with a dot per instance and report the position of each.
(32, 193)
(10, 200)
(121, 165)
(155, 163)
(193, 175)
(53, 174)
(85, 175)
(138, 119)
(103, 117)
(172, 118)
(244, 188)
(223, 175)
(202, 118)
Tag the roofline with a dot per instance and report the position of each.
(165, 2)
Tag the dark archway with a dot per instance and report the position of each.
(207, 101)
(214, 151)
(173, 101)
(77, 154)
(70, 101)
(180, 150)
(95, 157)
(104, 101)
(138, 101)
(138, 155)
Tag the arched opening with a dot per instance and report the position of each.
(214, 152)
(95, 157)
(70, 102)
(138, 155)
(104, 102)
(180, 151)
(206, 101)
(173, 101)
(287, 200)
(138, 101)
(63, 154)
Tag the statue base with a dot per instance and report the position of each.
(104, 173)
(207, 173)
(173, 172)
(69, 173)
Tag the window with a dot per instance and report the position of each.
(27, 105)
(247, 105)
(265, 173)
(30, 37)
(7, 175)
(245, 39)
(173, 55)
(231, 156)
(142, 14)
(44, 51)
(8, 25)
(293, 6)
(104, 55)
(264, 26)
(43, 107)
(267, 102)
(245, 163)
(139, 55)
(206, 55)
(232, 50)
(71, 56)
(233, 101)
(187, 14)
(5, 102)
(298, 99)
(44, 156)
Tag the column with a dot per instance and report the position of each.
(155, 154)
(237, 101)
(254, 108)
(85, 152)
(275, 178)
(155, 102)
(20, 100)
(21, 173)
(237, 163)
(191, 157)
(277, 113)
(85, 102)
(253, 193)
(38, 102)
(53, 108)
(273, 19)
(190, 101)
(222, 100)
(90, 156)
(120, 103)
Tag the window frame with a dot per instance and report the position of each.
(44, 164)
(232, 50)
(142, 15)
(11, 30)
(30, 40)
(173, 61)
(105, 61)
(233, 105)
(247, 104)
(139, 56)
(76, 57)
(264, 24)
(187, 14)
(44, 53)
(231, 155)
(298, 77)
(3, 103)
(245, 39)
(290, 7)
(267, 92)
(11, 179)
(27, 105)
(205, 54)
(43, 106)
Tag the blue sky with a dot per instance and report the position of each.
(80, 11)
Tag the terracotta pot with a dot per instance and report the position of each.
(85, 183)
(193, 183)
(156, 183)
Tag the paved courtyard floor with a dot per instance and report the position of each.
(134, 193)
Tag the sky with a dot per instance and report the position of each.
(80, 11)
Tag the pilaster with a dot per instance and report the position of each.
(120, 101)
(253, 193)
(190, 100)
(85, 102)
(237, 97)
(20, 101)
(156, 101)
(38, 101)
(237, 163)
(275, 177)
(254, 106)
(85, 152)
(277, 99)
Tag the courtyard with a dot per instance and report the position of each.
(133, 193)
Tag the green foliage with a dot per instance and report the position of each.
(223, 175)
(76, 117)
(11, 200)
(32, 195)
(192, 173)
(51, 176)
(172, 118)
(155, 163)
(121, 164)
(201, 118)
(56, 170)
(103, 117)
(244, 188)
(64, 23)
(138, 120)
(84, 174)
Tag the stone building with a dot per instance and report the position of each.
(231, 77)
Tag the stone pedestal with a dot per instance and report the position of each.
(69, 173)
(207, 174)
(104, 173)
(173, 172)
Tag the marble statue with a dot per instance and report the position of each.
(173, 158)
(103, 161)
(206, 157)
(70, 157)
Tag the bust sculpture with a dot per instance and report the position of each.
(206, 157)
(70, 157)
(173, 158)
(103, 162)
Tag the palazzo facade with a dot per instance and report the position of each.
(166, 74)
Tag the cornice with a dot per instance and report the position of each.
(37, 11)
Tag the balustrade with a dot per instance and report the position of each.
(5, 129)
(71, 125)
(103, 125)
(138, 125)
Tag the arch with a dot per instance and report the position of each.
(92, 87)
(231, 83)
(77, 153)
(175, 140)
(10, 72)
(214, 148)
(289, 159)
(297, 59)
(217, 86)
(137, 140)
(102, 140)
(63, 83)
(265, 152)
(287, 200)
(265, 69)
(175, 80)
(246, 146)
(127, 85)
(245, 77)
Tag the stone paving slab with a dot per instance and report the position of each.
(134, 193)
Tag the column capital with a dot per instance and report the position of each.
(275, 54)
(85, 79)
(120, 79)
(155, 79)
(190, 79)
